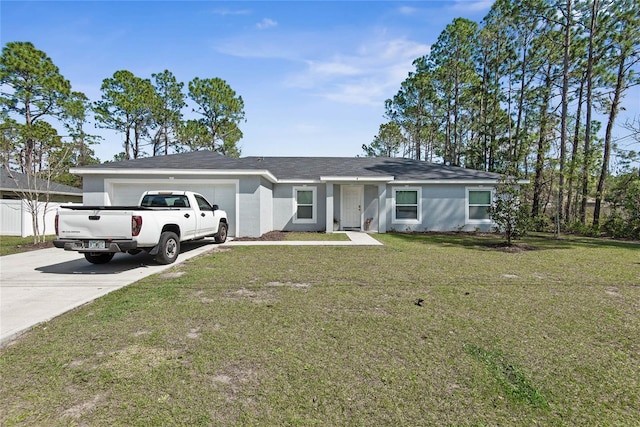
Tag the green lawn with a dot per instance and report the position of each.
(15, 244)
(425, 330)
(310, 237)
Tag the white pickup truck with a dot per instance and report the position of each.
(162, 220)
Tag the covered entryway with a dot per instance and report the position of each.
(222, 193)
(352, 199)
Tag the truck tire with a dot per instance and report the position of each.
(168, 248)
(97, 258)
(221, 235)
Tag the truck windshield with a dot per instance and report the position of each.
(165, 200)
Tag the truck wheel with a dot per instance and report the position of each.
(97, 258)
(169, 248)
(221, 235)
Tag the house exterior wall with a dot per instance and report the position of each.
(284, 208)
(370, 208)
(262, 206)
(442, 208)
(266, 206)
(250, 194)
(93, 191)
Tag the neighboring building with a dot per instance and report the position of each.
(15, 214)
(262, 194)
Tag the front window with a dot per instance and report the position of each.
(478, 203)
(305, 205)
(406, 205)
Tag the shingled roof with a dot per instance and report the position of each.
(13, 181)
(303, 168)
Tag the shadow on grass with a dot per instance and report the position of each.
(495, 241)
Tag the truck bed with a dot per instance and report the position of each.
(116, 208)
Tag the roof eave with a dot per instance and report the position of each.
(176, 172)
(469, 181)
(379, 179)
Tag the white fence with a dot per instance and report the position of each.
(15, 218)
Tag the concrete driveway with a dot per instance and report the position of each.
(39, 285)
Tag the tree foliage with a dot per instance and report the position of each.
(509, 211)
(126, 106)
(522, 92)
(167, 112)
(221, 111)
(387, 142)
(34, 94)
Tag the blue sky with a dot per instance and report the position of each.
(313, 75)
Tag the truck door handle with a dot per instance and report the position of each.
(187, 215)
(202, 214)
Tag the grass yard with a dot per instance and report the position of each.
(15, 244)
(294, 236)
(425, 330)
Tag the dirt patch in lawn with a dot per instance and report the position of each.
(513, 248)
(257, 297)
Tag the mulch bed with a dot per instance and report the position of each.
(272, 236)
(34, 246)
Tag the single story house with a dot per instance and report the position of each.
(17, 203)
(262, 194)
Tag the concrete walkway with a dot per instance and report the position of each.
(39, 285)
(355, 239)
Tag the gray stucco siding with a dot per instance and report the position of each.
(370, 208)
(442, 208)
(93, 191)
(249, 198)
(284, 208)
(266, 206)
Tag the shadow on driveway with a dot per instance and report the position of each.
(120, 263)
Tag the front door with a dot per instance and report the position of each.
(351, 207)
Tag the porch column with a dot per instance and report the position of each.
(382, 208)
(329, 208)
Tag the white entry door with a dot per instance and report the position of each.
(352, 200)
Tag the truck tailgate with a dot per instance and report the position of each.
(103, 224)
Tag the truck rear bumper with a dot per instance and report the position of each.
(84, 245)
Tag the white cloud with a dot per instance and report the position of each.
(473, 5)
(367, 76)
(231, 12)
(266, 23)
(407, 10)
(351, 68)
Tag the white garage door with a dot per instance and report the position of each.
(222, 194)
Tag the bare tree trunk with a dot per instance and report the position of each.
(565, 108)
(574, 155)
(540, 156)
(587, 135)
(613, 113)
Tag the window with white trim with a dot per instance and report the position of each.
(406, 205)
(478, 202)
(305, 205)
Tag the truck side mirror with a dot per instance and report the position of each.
(215, 208)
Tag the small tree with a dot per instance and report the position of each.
(509, 211)
(386, 143)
